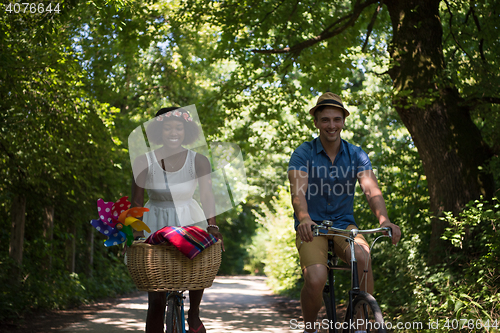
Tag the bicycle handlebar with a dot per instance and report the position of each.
(327, 224)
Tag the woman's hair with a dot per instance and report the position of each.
(155, 128)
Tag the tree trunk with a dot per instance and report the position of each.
(90, 251)
(449, 143)
(18, 213)
(71, 249)
(48, 234)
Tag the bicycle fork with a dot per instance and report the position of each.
(355, 290)
(330, 290)
(178, 302)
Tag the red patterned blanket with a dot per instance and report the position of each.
(189, 240)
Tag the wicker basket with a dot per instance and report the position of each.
(164, 268)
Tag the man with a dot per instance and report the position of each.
(323, 174)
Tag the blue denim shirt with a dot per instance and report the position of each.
(330, 192)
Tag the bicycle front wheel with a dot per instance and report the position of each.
(174, 323)
(329, 308)
(366, 315)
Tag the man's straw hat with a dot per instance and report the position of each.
(330, 99)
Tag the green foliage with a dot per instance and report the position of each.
(471, 47)
(235, 226)
(275, 244)
(43, 289)
(475, 232)
(59, 150)
(467, 286)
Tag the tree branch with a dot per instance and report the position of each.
(291, 14)
(326, 34)
(269, 13)
(491, 100)
(481, 41)
(293, 10)
(451, 30)
(372, 23)
(485, 99)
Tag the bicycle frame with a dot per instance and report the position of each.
(331, 282)
(178, 295)
(323, 229)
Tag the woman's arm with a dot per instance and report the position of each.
(203, 172)
(138, 183)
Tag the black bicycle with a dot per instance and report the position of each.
(363, 312)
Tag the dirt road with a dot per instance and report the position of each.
(232, 304)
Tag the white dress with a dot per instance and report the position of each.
(170, 194)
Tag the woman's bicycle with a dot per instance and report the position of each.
(174, 316)
(363, 312)
(163, 268)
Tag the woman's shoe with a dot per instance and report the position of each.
(191, 330)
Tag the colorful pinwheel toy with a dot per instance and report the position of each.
(116, 221)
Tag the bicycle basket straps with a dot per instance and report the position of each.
(164, 268)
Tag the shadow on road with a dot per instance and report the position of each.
(232, 304)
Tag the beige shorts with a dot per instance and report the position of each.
(316, 252)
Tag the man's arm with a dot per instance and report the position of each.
(298, 188)
(369, 185)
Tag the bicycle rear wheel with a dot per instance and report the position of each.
(174, 318)
(366, 315)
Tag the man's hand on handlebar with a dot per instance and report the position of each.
(396, 232)
(305, 230)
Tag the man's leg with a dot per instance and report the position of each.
(365, 273)
(313, 260)
(311, 296)
(362, 252)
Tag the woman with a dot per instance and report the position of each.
(170, 174)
